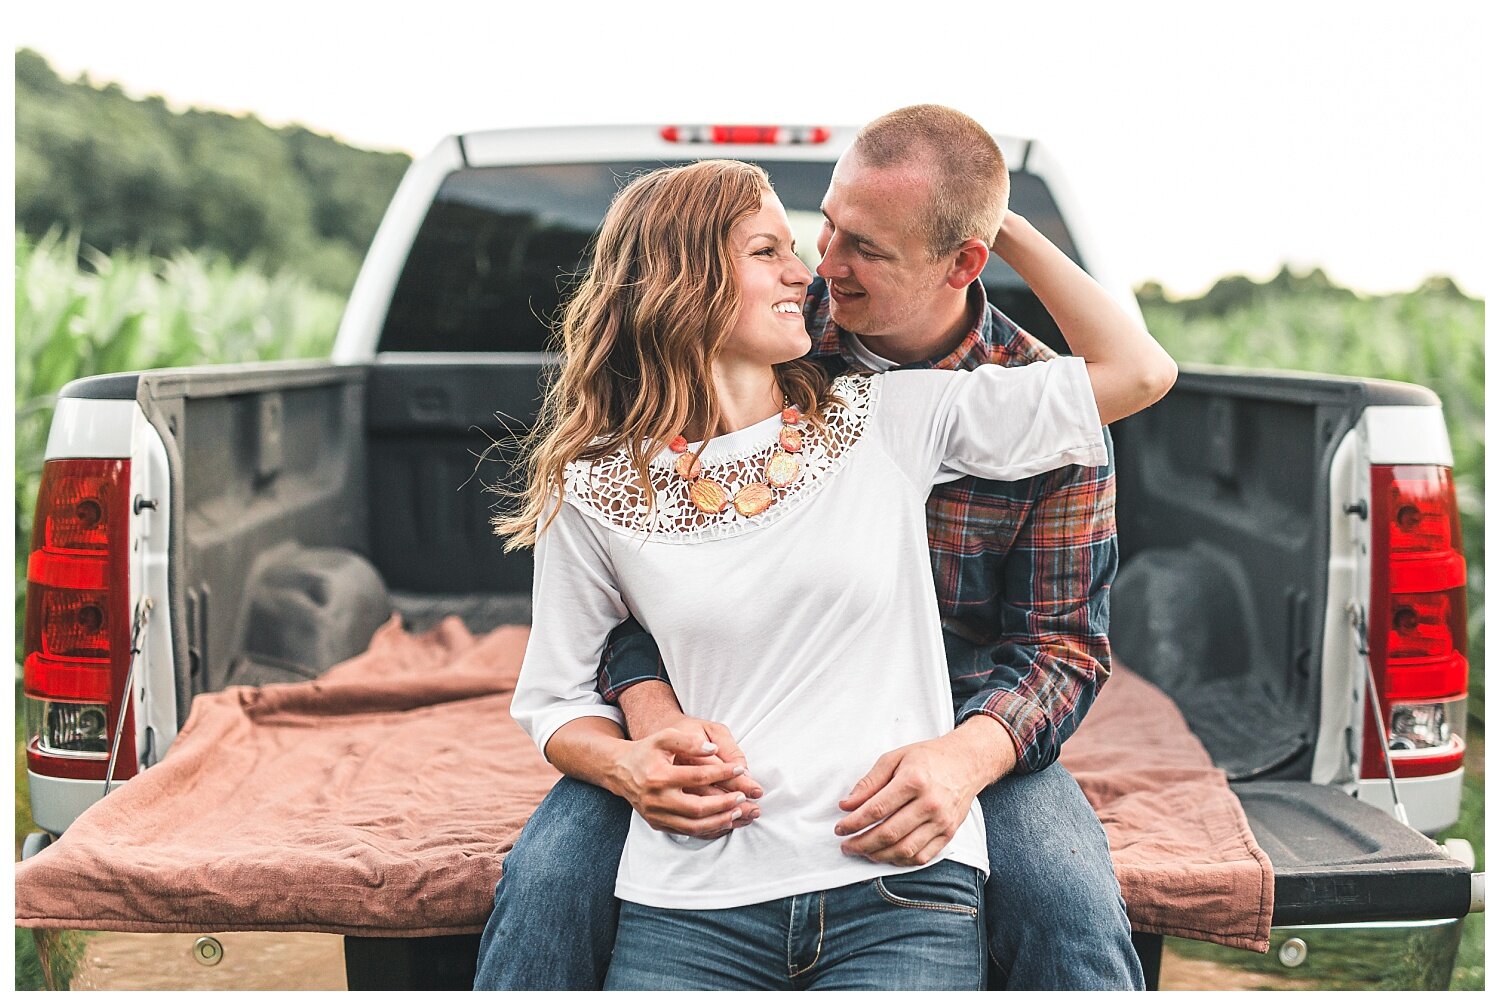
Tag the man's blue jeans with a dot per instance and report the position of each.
(914, 931)
(1052, 905)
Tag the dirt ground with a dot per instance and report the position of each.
(1182, 974)
(291, 961)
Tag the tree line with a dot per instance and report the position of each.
(133, 174)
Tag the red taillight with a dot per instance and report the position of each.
(1428, 625)
(77, 642)
(77, 519)
(750, 135)
(67, 680)
(75, 623)
(1421, 508)
(1418, 625)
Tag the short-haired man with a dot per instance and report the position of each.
(1022, 570)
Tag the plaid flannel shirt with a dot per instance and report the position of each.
(1022, 569)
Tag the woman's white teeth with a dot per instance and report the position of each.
(786, 307)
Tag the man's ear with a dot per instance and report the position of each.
(967, 263)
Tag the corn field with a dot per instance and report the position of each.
(80, 312)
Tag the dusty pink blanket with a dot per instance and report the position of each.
(381, 800)
(1186, 860)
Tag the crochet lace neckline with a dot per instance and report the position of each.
(607, 489)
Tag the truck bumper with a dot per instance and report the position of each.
(1431, 802)
(56, 803)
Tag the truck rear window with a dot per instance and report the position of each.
(500, 247)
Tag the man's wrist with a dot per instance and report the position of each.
(1014, 230)
(590, 748)
(986, 745)
(613, 775)
(648, 707)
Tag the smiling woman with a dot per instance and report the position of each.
(673, 330)
(772, 283)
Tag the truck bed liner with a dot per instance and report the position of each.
(479, 612)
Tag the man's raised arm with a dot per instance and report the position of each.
(1128, 369)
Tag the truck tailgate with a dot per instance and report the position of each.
(1338, 860)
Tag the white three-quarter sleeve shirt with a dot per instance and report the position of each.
(810, 630)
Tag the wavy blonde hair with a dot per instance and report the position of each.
(640, 334)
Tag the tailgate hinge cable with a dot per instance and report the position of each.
(1357, 619)
(142, 614)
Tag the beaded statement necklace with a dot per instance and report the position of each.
(782, 470)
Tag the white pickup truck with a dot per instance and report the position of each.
(1291, 571)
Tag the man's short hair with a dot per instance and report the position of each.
(970, 186)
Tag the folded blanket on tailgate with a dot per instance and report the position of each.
(381, 799)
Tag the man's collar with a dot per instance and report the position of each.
(826, 336)
(828, 339)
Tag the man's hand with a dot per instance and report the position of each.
(914, 799)
(677, 781)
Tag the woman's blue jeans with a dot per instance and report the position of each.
(1053, 911)
(914, 931)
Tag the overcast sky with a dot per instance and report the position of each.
(1200, 138)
